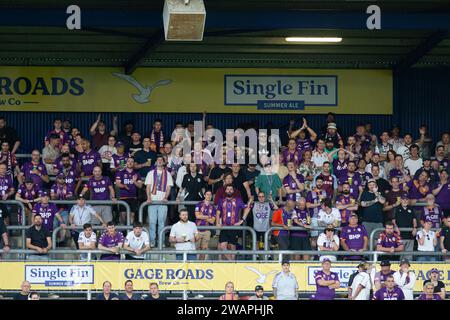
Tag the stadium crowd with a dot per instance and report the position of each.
(339, 189)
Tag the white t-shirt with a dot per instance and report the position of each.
(413, 165)
(363, 279)
(428, 243)
(286, 285)
(105, 151)
(137, 242)
(188, 229)
(149, 181)
(404, 152)
(85, 240)
(323, 241)
(82, 215)
(334, 215)
(319, 158)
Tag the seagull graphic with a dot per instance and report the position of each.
(262, 277)
(144, 91)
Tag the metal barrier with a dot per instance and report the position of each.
(56, 230)
(100, 202)
(241, 228)
(19, 204)
(23, 155)
(23, 229)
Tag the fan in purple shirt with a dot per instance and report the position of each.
(354, 237)
(119, 160)
(428, 293)
(6, 184)
(35, 169)
(293, 182)
(61, 190)
(128, 177)
(346, 203)
(205, 208)
(301, 218)
(326, 282)
(389, 291)
(315, 197)
(99, 186)
(88, 159)
(353, 179)
(291, 153)
(64, 163)
(48, 212)
(442, 191)
(432, 213)
(28, 191)
(63, 136)
(420, 188)
(111, 240)
(230, 208)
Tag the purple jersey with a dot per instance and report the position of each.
(417, 191)
(305, 144)
(99, 188)
(434, 215)
(26, 194)
(292, 156)
(443, 197)
(323, 292)
(354, 236)
(61, 191)
(313, 198)
(435, 296)
(345, 213)
(230, 210)
(58, 166)
(384, 294)
(6, 183)
(389, 240)
(364, 140)
(380, 276)
(63, 137)
(28, 168)
(71, 178)
(363, 177)
(302, 215)
(289, 181)
(206, 210)
(111, 241)
(354, 181)
(120, 161)
(47, 213)
(340, 169)
(126, 177)
(88, 161)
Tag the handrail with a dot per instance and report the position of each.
(23, 229)
(23, 155)
(94, 202)
(170, 202)
(271, 229)
(56, 230)
(372, 234)
(21, 205)
(239, 228)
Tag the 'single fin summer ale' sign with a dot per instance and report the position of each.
(218, 90)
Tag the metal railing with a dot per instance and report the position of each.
(20, 205)
(56, 230)
(100, 202)
(23, 155)
(162, 233)
(378, 230)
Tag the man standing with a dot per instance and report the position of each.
(205, 215)
(330, 184)
(404, 217)
(88, 160)
(269, 183)
(100, 188)
(393, 200)
(184, 234)
(35, 170)
(159, 182)
(145, 158)
(283, 217)
(361, 284)
(285, 284)
(405, 279)
(50, 153)
(346, 204)
(372, 207)
(326, 282)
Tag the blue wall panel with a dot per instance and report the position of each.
(420, 95)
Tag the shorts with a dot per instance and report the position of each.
(132, 202)
(300, 243)
(229, 236)
(203, 239)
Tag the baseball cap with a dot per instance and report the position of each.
(434, 270)
(44, 194)
(405, 261)
(371, 180)
(404, 196)
(119, 144)
(332, 125)
(257, 288)
(326, 260)
(385, 263)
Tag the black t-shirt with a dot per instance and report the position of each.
(194, 186)
(101, 296)
(383, 186)
(238, 183)
(373, 213)
(20, 296)
(124, 296)
(141, 157)
(215, 173)
(9, 135)
(135, 147)
(251, 176)
(404, 218)
(150, 297)
(38, 237)
(445, 232)
(438, 288)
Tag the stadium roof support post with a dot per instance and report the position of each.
(139, 56)
(421, 50)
